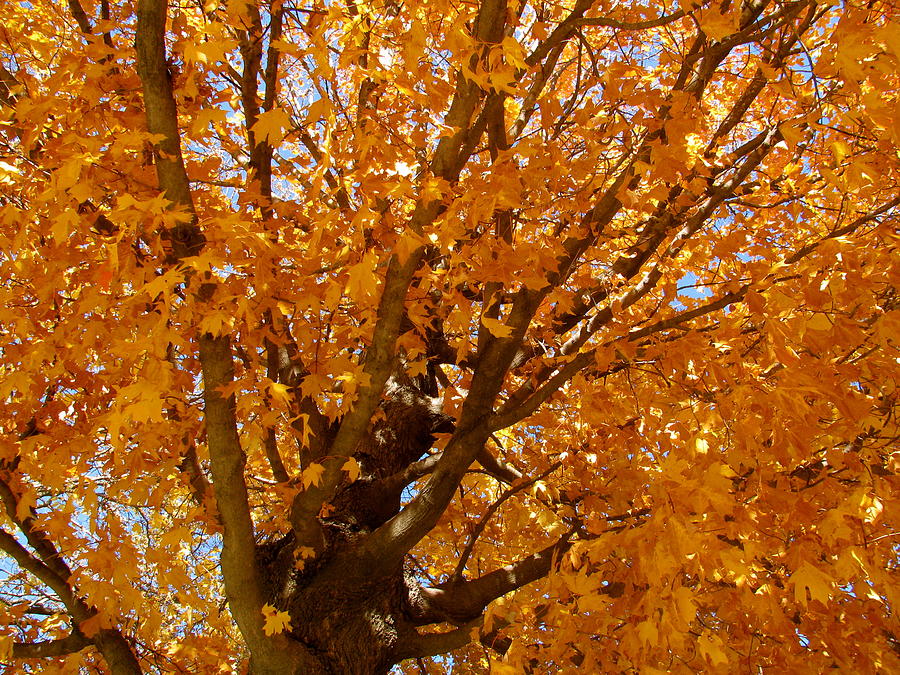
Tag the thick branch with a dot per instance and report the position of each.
(162, 119)
(35, 537)
(269, 654)
(239, 567)
(483, 521)
(84, 24)
(843, 231)
(432, 644)
(43, 572)
(112, 645)
(461, 601)
(70, 644)
(606, 22)
(452, 152)
(412, 472)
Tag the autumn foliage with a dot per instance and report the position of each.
(492, 335)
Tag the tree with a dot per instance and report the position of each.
(549, 336)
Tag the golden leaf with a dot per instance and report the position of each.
(275, 621)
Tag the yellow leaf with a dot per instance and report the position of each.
(497, 328)
(305, 431)
(319, 109)
(6, 647)
(840, 150)
(314, 384)
(716, 25)
(301, 555)
(68, 174)
(498, 668)
(435, 188)
(808, 577)
(90, 627)
(818, 321)
(648, 633)
(351, 466)
(712, 648)
(270, 126)
(312, 475)
(684, 602)
(792, 133)
(280, 393)
(174, 537)
(361, 281)
(406, 245)
(275, 621)
(418, 367)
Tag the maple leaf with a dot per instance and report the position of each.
(497, 328)
(270, 126)
(711, 647)
(717, 25)
(90, 627)
(648, 632)
(6, 648)
(807, 577)
(275, 621)
(312, 475)
(351, 466)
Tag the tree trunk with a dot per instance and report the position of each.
(351, 620)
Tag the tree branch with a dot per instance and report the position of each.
(74, 642)
(269, 654)
(432, 644)
(162, 120)
(451, 153)
(477, 531)
(606, 22)
(459, 602)
(80, 17)
(843, 231)
(46, 574)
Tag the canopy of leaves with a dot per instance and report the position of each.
(579, 318)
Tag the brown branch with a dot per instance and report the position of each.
(563, 31)
(497, 468)
(239, 568)
(401, 532)
(379, 363)
(606, 22)
(842, 231)
(270, 98)
(451, 153)
(527, 400)
(46, 574)
(412, 472)
(680, 318)
(605, 209)
(461, 601)
(80, 17)
(52, 570)
(477, 531)
(104, 15)
(432, 644)
(74, 642)
(162, 120)
(8, 83)
(391, 541)
(112, 645)
(35, 537)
